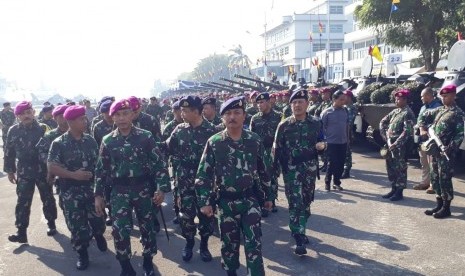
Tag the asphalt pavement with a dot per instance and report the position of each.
(351, 232)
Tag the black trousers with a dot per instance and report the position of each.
(336, 158)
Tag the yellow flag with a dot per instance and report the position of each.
(377, 54)
(395, 1)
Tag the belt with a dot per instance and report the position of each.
(236, 195)
(130, 181)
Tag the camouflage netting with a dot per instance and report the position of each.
(383, 94)
(415, 95)
(363, 97)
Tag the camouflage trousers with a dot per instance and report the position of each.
(348, 160)
(236, 216)
(273, 175)
(25, 192)
(299, 184)
(396, 167)
(441, 173)
(188, 211)
(123, 200)
(80, 216)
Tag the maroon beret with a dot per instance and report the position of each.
(325, 90)
(134, 103)
(348, 92)
(119, 105)
(402, 93)
(73, 112)
(22, 106)
(59, 109)
(451, 88)
(314, 91)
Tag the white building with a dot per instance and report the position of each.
(288, 45)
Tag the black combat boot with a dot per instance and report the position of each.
(20, 236)
(274, 209)
(439, 204)
(83, 259)
(204, 252)
(398, 195)
(300, 246)
(187, 250)
(52, 229)
(231, 273)
(101, 243)
(444, 212)
(148, 266)
(345, 174)
(126, 268)
(391, 193)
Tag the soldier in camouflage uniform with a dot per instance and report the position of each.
(314, 102)
(294, 151)
(251, 109)
(396, 128)
(7, 118)
(100, 129)
(130, 157)
(154, 109)
(265, 123)
(324, 104)
(352, 111)
(447, 123)
(209, 111)
(143, 120)
(169, 116)
(20, 145)
(43, 146)
(100, 116)
(72, 158)
(172, 162)
(47, 117)
(186, 145)
(287, 110)
(232, 167)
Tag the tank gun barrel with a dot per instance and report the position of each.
(270, 84)
(244, 85)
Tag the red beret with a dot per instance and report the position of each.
(254, 94)
(325, 90)
(348, 92)
(73, 112)
(274, 95)
(22, 106)
(451, 88)
(134, 103)
(119, 105)
(314, 91)
(402, 93)
(59, 109)
(286, 94)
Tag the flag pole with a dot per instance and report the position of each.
(384, 48)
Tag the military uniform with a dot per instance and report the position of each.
(169, 116)
(216, 120)
(287, 111)
(294, 150)
(78, 196)
(8, 118)
(320, 107)
(149, 123)
(397, 127)
(352, 112)
(265, 126)
(101, 129)
(49, 122)
(251, 110)
(169, 127)
(21, 145)
(448, 125)
(136, 169)
(186, 146)
(154, 110)
(312, 108)
(233, 169)
(94, 121)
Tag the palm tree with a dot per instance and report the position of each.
(237, 59)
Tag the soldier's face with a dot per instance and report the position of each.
(448, 99)
(234, 118)
(208, 111)
(107, 117)
(313, 97)
(189, 114)
(79, 124)
(62, 124)
(299, 107)
(325, 96)
(123, 118)
(27, 116)
(264, 106)
(340, 101)
(401, 101)
(177, 114)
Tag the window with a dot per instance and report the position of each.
(335, 28)
(336, 10)
(335, 46)
(316, 28)
(286, 50)
(318, 47)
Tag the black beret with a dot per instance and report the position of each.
(299, 94)
(175, 105)
(263, 96)
(190, 101)
(105, 106)
(209, 101)
(153, 98)
(7, 104)
(233, 103)
(46, 109)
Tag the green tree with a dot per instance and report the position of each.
(427, 25)
(211, 68)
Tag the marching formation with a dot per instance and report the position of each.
(115, 163)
